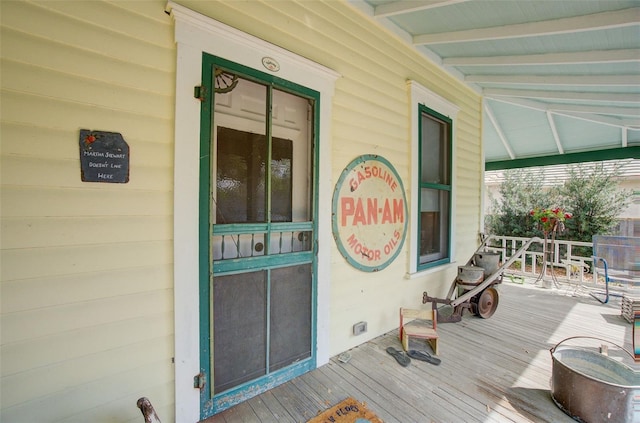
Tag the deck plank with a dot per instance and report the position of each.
(492, 370)
(294, 402)
(264, 413)
(280, 414)
(394, 387)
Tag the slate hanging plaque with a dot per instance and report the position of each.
(104, 157)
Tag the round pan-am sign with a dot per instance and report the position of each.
(369, 213)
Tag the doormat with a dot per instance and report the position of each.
(347, 411)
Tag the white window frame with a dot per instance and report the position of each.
(419, 95)
(196, 34)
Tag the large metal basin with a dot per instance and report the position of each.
(592, 387)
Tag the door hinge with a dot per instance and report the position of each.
(200, 92)
(199, 380)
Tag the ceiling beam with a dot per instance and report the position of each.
(633, 112)
(581, 80)
(556, 137)
(596, 21)
(566, 58)
(498, 129)
(563, 95)
(568, 111)
(403, 7)
(568, 158)
(602, 120)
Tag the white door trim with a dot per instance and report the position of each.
(196, 34)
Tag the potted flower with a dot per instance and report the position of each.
(550, 220)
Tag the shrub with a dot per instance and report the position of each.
(591, 194)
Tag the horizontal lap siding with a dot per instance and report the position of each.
(94, 261)
(370, 116)
(375, 297)
(87, 275)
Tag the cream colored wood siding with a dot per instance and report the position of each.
(87, 275)
(371, 116)
(87, 300)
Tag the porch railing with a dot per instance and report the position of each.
(567, 264)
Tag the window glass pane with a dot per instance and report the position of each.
(292, 158)
(435, 156)
(240, 152)
(434, 225)
(281, 160)
(240, 181)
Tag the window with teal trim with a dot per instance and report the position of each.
(434, 216)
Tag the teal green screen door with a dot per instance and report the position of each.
(257, 233)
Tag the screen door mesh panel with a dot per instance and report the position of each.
(290, 315)
(239, 329)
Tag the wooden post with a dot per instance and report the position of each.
(148, 412)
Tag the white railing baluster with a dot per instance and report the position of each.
(575, 265)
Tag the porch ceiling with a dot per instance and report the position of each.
(560, 79)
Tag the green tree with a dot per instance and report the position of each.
(592, 194)
(519, 193)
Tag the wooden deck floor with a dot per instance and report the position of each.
(493, 370)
